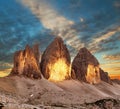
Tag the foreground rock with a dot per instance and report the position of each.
(55, 61)
(26, 62)
(104, 104)
(86, 68)
(25, 93)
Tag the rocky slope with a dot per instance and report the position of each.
(55, 61)
(26, 62)
(25, 93)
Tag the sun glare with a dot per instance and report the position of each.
(93, 74)
(59, 71)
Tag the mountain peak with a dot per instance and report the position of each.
(84, 49)
(25, 63)
(55, 61)
(86, 68)
(58, 38)
(84, 54)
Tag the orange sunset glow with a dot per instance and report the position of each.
(59, 71)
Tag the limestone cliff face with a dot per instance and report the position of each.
(55, 61)
(56, 65)
(93, 74)
(86, 67)
(26, 62)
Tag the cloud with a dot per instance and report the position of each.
(112, 70)
(106, 35)
(117, 4)
(112, 67)
(98, 42)
(19, 29)
(58, 24)
(75, 34)
(41, 20)
(101, 49)
(5, 65)
(48, 16)
(113, 63)
(112, 57)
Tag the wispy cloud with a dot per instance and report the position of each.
(106, 35)
(97, 43)
(117, 4)
(76, 33)
(112, 70)
(111, 63)
(5, 65)
(111, 67)
(70, 30)
(112, 57)
(58, 24)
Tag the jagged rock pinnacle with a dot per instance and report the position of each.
(26, 62)
(55, 61)
(86, 68)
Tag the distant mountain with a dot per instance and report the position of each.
(116, 81)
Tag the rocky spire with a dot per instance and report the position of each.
(55, 61)
(26, 63)
(36, 52)
(105, 77)
(86, 68)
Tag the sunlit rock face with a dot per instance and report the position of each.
(86, 67)
(93, 75)
(55, 61)
(26, 62)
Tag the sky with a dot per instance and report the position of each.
(94, 24)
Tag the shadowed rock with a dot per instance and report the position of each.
(1, 106)
(104, 104)
(26, 62)
(55, 61)
(105, 77)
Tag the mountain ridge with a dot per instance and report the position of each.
(56, 64)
